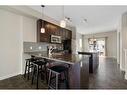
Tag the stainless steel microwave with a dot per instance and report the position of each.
(56, 39)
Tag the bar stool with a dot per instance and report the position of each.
(39, 67)
(57, 70)
(28, 65)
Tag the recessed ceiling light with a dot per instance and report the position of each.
(68, 19)
(85, 20)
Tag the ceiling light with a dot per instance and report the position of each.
(85, 20)
(68, 19)
(42, 28)
(63, 22)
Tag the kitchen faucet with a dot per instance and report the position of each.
(50, 49)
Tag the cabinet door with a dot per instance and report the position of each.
(45, 37)
(69, 35)
(63, 34)
(58, 31)
(41, 37)
(66, 32)
(54, 30)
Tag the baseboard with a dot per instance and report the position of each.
(8, 76)
(125, 76)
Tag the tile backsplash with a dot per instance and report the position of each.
(38, 46)
(34, 46)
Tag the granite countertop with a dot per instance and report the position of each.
(66, 58)
(89, 52)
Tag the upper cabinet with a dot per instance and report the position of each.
(51, 29)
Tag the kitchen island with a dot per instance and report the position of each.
(78, 73)
(93, 60)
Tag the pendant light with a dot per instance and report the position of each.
(42, 28)
(63, 22)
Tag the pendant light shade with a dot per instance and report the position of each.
(42, 28)
(63, 22)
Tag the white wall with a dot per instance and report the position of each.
(78, 38)
(111, 42)
(29, 29)
(123, 41)
(73, 41)
(10, 44)
(15, 28)
(118, 46)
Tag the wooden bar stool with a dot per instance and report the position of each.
(57, 71)
(29, 65)
(39, 67)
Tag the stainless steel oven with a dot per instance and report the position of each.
(56, 39)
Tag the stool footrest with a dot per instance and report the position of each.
(55, 81)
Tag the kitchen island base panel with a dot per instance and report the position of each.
(79, 75)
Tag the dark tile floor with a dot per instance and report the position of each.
(108, 76)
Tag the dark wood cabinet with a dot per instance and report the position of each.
(51, 29)
(69, 34)
(45, 37)
(63, 34)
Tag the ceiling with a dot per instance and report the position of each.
(99, 18)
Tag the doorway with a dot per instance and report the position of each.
(97, 45)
